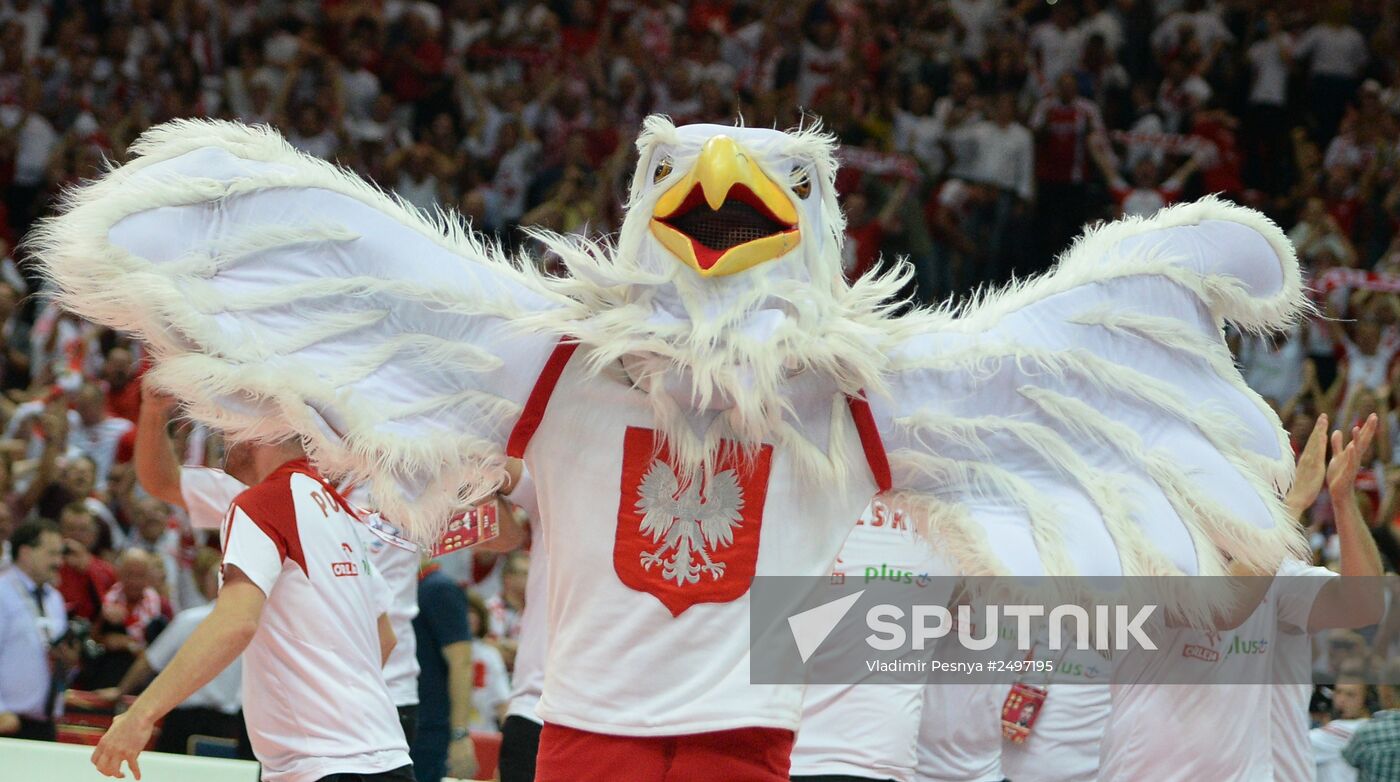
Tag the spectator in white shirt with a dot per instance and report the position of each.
(954, 115)
(1005, 163)
(152, 532)
(97, 433)
(917, 130)
(1005, 151)
(1102, 20)
(1265, 119)
(1336, 54)
(1055, 46)
(978, 19)
(1195, 20)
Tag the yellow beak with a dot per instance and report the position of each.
(725, 215)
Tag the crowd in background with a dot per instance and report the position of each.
(978, 137)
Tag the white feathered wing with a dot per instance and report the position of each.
(284, 297)
(1091, 422)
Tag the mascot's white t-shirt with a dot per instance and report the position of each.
(671, 608)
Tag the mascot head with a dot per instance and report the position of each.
(725, 282)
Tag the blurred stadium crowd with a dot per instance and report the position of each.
(978, 137)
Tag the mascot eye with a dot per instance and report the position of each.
(663, 170)
(801, 182)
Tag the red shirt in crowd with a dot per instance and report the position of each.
(1062, 154)
(1225, 175)
(82, 590)
(125, 402)
(137, 614)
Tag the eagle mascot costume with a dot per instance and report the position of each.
(701, 399)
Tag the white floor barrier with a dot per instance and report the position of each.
(42, 761)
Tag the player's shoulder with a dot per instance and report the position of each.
(272, 503)
(274, 493)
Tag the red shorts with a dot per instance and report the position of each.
(741, 755)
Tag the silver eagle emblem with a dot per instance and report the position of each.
(686, 523)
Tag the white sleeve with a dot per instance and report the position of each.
(163, 649)
(1295, 590)
(208, 493)
(251, 550)
(383, 596)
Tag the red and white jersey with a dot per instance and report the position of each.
(208, 493)
(854, 730)
(527, 680)
(313, 689)
(626, 597)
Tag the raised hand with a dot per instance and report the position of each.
(1307, 480)
(1341, 471)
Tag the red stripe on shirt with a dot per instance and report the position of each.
(538, 402)
(870, 441)
(270, 506)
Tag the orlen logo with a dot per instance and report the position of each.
(347, 568)
(1200, 653)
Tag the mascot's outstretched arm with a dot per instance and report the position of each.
(1091, 421)
(284, 297)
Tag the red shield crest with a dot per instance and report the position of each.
(682, 542)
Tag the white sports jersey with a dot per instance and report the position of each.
(313, 689)
(1135, 746)
(209, 492)
(960, 727)
(960, 733)
(1064, 743)
(870, 730)
(1293, 663)
(223, 692)
(622, 598)
(527, 680)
